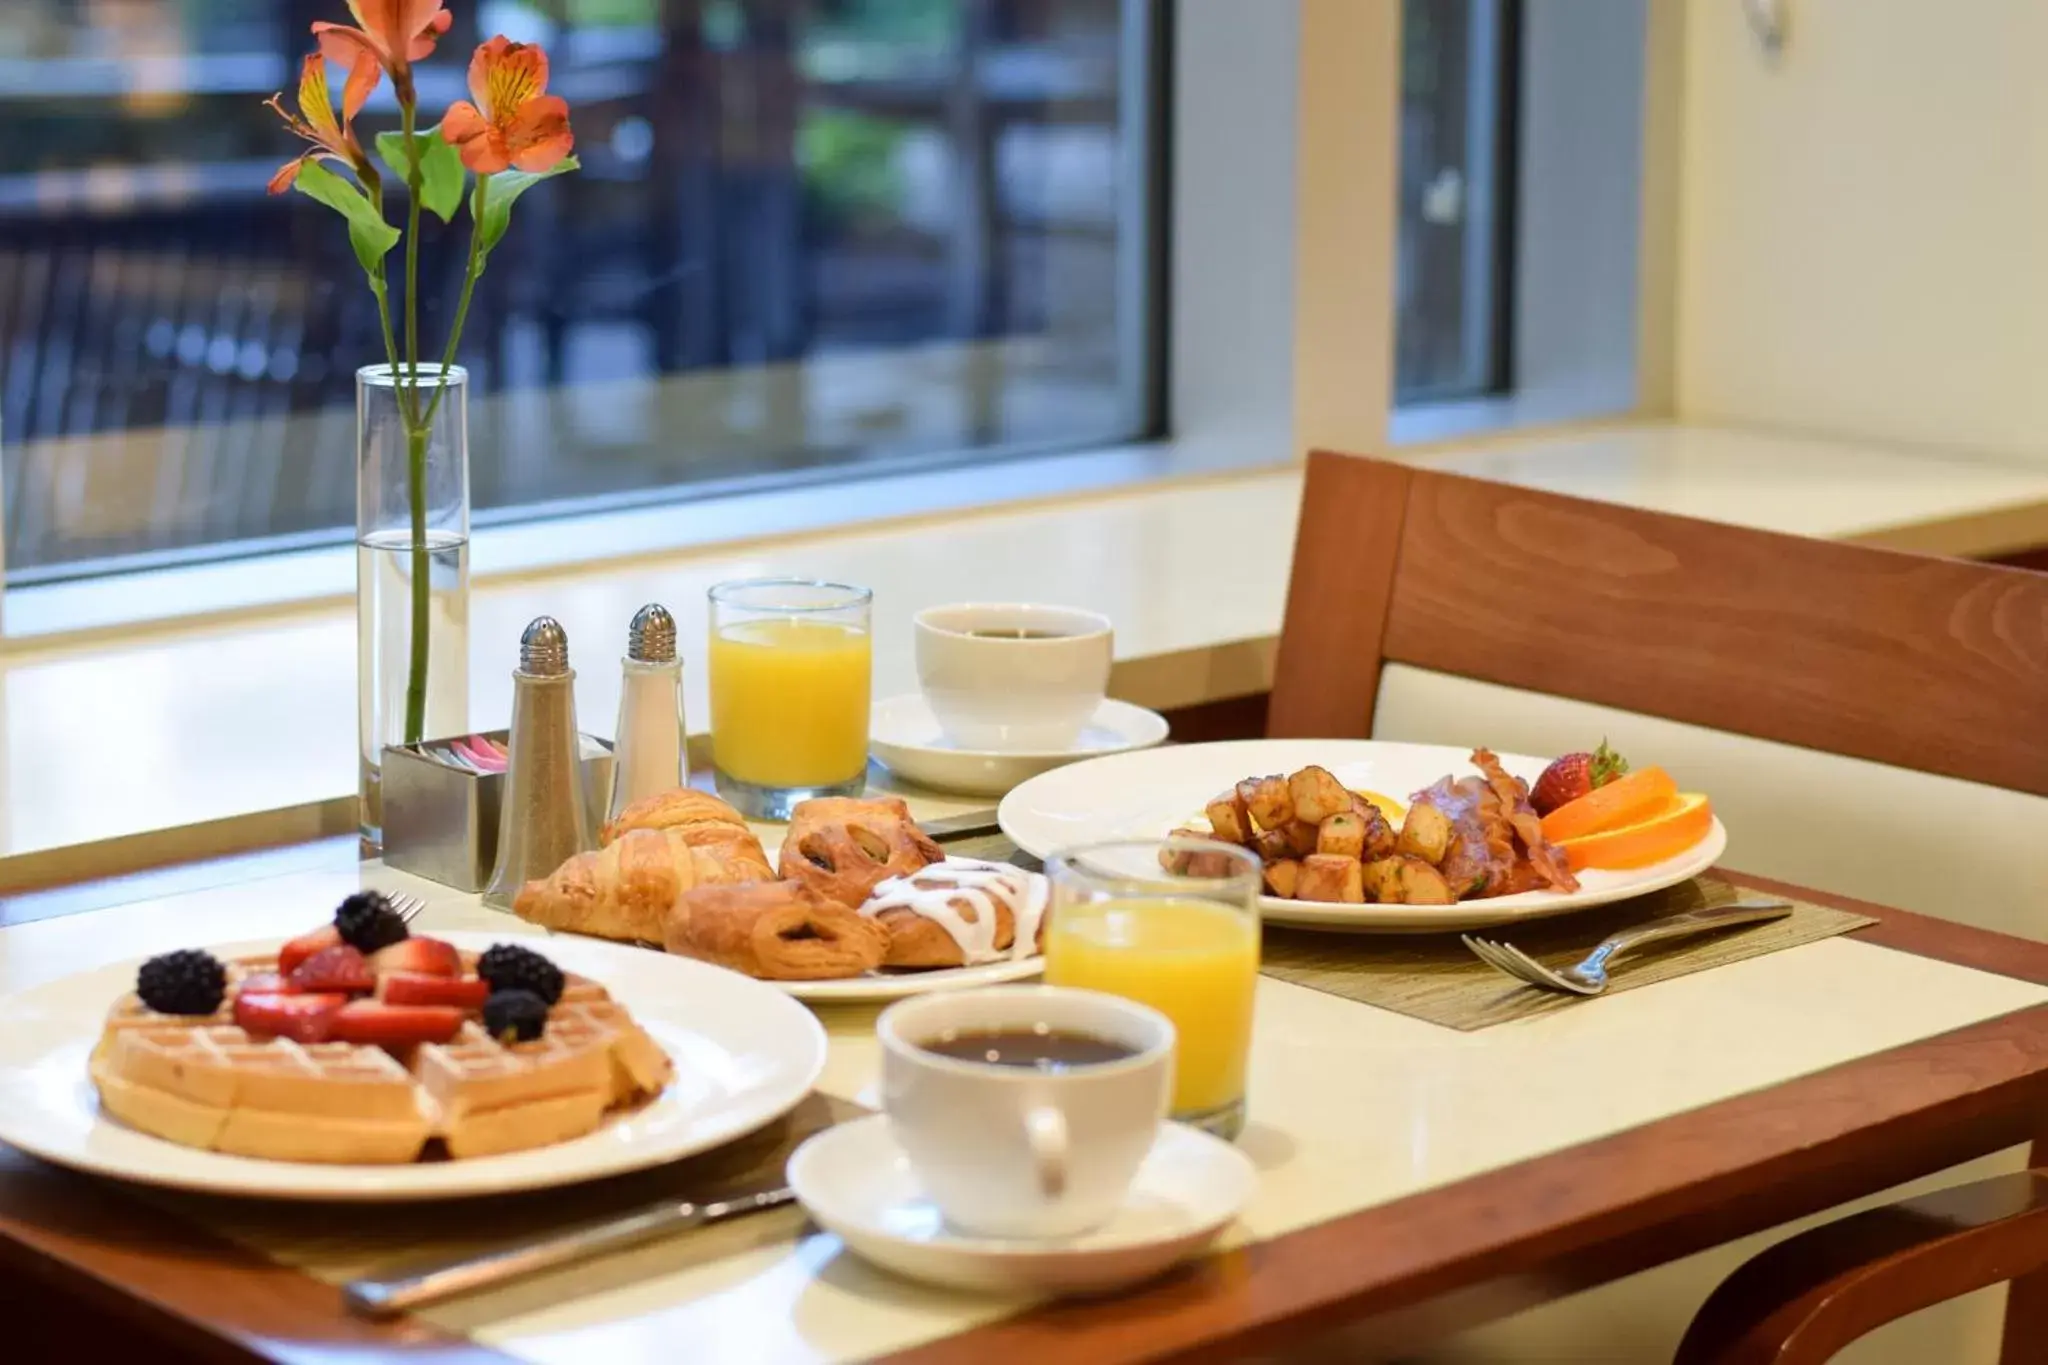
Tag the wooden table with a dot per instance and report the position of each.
(1413, 1180)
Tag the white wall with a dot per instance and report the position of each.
(1863, 224)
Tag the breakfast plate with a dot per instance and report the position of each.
(743, 1054)
(1151, 793)
(905, 736)
(856, 1182)
(879, 987)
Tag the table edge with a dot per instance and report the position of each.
(1550, 1230)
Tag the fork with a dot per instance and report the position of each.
(1589, 976)
(409, 907)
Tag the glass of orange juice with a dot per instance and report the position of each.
(1174, 924)
(790, 668)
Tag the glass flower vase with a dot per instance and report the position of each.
(412, 568)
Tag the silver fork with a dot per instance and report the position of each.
(1589, 977)
(409, 907)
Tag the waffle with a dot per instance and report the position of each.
(218, 1087)
(205, 1083)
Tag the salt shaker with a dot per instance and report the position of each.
(649, 738)
(545, 816)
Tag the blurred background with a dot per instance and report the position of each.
(809, 235)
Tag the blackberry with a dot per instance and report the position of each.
(188, 982)
(515, 1016)
(366, 922)
(509, 967)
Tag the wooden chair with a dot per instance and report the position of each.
(1809, 1296)
(1936, 665)
(1931, 665)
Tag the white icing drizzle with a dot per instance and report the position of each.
(931, 891)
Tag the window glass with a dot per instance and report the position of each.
(811, 238)
(1457, 117)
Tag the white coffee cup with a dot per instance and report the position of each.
(1013, 1151)
(1001, 691)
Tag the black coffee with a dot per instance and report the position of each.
(1041, 1050)
(1013, 633)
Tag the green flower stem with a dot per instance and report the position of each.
(416, 672)
(470, 272)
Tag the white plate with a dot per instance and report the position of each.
(1144, 795)
(904, 734)
(856, 1182)
(882, 986)
(745, 1054)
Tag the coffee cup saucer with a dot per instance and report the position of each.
(856, 1182)
(905, 736)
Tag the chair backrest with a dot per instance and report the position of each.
(1571, 621)
(1936, 665)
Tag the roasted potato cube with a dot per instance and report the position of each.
(1317, 794)
(1379, 835)
(1273, 845)
(1267, 799)
(1230, 819)
(1404, 880)
(1282, 877)
(1175, 860)
(1301, 837)
(1210, 864)
(1342, 834)
(1425, 833)
(1328, 877)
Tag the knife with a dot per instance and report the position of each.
(383, 1298)
(961, 826)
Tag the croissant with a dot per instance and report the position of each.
(843, 848)
(777, 931)
(683, 808)
(624, 890)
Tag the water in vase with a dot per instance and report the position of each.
(384, 576)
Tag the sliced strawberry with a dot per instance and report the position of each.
(340, 968)
(373, 1021)
(417, 988)
(302, 1018)
(305, 945)
(423, 956)
(265, 983)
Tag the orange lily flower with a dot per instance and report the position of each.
(332, 139)
(393, 33)
(513, 122)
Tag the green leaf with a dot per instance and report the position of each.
(441, 172)
(501, 189)
(368, 233)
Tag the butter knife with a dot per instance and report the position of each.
(383, 1298)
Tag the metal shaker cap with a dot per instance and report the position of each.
(651, 639)
(544, 648)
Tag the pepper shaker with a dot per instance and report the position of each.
(649, 737)
(544, 819)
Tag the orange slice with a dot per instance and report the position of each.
(1631, 797)
(1681, 823)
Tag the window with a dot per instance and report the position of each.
(812, 238)
(1458, 68)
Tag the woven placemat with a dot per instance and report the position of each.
(1434, 977)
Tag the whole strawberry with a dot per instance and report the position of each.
(1572, 776)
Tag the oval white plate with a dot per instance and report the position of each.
(885, 986)
(905, 735)
(856, 1182)
(745, 1054)
(1144, 795)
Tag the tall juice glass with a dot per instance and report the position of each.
(790, 668)
(1174, 924)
